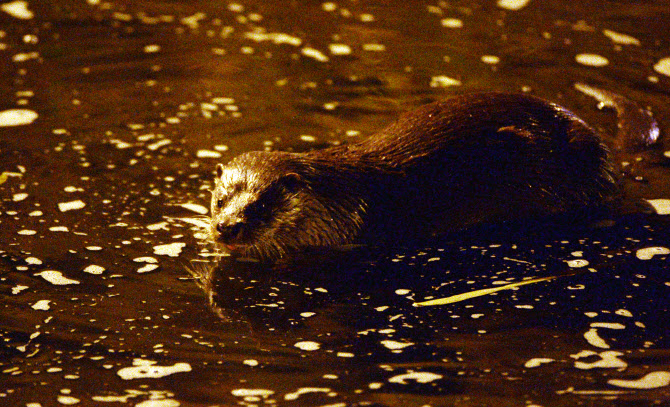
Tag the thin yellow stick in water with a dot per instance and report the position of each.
(479, 293)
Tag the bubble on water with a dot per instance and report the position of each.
(158, 226)
(149, 49)
(56, 277)
(207, 154)
(94, 269)
(535, 362)
(276, 38)
(329, 6)
(41, 305)
(373, 47)
(23, 57)
(252, 392)
(194, 20)
(442, 81)
(305, 390)
(33, 260)
(395, 345)
(18, 9)
(315, 54)
(594, 339)
(143, 369)
(202, 210)
(649, 252)
(651, 380)
(419, 377)
(663, 66)
(171, 249)
(145, 259)
(608, 360)
(577, 263)
(451, 22)
(147, 268)
(71, 206)
(339, 49)
(17, 117)
(68, 400)
(661, 206)
(308, 345)
(591, 60)
(159, 403)
(619, 38)
(59, 229)
(513, 5)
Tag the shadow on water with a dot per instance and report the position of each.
(357, 280)
(359, 303)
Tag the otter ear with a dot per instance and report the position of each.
(292, 181)
(219, 170)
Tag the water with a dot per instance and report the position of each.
(114, 114)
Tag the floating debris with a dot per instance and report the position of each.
(479, 293)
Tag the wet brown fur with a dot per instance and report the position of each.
(442, 167)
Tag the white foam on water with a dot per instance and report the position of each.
(535, 362)
(442, 81)
(56, 277)
(41, 305)
(651, 380)
(307, 345)
(171, 249)
(252, 393)
(512, 5)
(17, 117)
(419, 377)
(147, 369)
(663, 66)
(195, 208)
(649, 252)
(619, 38)
(18, 9)
(71, 206)
(451, 22)
(305, 390)
(591, 60)
(395, 345)
(661, 206)
(339, 49)
(315, 54)
(94, 269)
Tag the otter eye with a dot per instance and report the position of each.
(219, 203)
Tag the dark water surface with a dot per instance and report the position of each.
(114, 114)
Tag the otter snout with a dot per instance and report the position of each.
(229, 231)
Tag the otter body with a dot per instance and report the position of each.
(442, 167)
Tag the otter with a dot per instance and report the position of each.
(448, 165)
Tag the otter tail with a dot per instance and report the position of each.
(637, 128)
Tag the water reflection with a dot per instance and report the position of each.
(115, 113)
(359, 307)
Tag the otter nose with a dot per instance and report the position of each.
(229, 231)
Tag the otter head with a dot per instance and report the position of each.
(249, 206)
(264, 206)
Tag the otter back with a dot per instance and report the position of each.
(444, 166)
